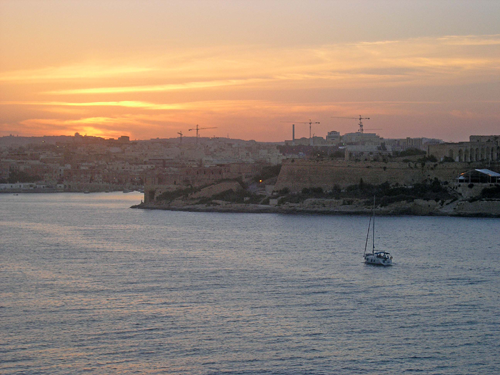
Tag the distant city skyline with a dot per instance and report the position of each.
(248, 70)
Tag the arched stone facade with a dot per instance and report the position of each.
(480, 149)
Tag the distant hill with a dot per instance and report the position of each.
(14, 141)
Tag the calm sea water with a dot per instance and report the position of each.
(88, 285)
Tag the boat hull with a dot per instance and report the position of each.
(379, 259)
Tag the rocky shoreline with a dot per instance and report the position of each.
(457, 208)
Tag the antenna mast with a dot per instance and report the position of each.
(310, 122)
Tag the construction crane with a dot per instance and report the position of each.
(180, 133)
(360, 130)
(198, 129)
(310, 122)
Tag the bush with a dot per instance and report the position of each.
(430, 158)
(171, 195)
(409, 152)
(385, 193)
(284, 191)
(491, 192)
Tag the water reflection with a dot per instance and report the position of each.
(88, 284)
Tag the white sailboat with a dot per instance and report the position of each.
(378, 258)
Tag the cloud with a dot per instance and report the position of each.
(471, 40)
(258, 84)
(127, 104)
(96, 126)
(71, 72)
(420, 61)
(155, 88)
(467, 114)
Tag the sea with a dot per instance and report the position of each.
(90, 286)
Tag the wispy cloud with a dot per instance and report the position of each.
(259, 84)
(418, 61)
(127, 104)
(71, 72)
(155, 88)
(415, 61)
(471, 40)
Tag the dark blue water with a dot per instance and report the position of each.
(88, 285)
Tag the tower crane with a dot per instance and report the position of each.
(360, 130)
(198, 129)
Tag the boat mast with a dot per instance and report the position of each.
(368, 233)
(373, 213)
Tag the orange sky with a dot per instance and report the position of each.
(150, 69)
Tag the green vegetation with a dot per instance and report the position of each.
(232, 197)
(385, 193)
(180, 193)
(240, 196)
(491, 192)
(408, 152)
(430, 158)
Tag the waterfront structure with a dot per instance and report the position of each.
(169, 179)
(296, 174)
(484, 176)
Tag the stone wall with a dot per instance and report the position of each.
(480, 148)
(169, 179)
(298, 174)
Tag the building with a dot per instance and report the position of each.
(482, 176)
(366, 152)
(359, 138)
(480, 148)
(333, 137)
(404, 144)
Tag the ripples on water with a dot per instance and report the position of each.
(89, 285)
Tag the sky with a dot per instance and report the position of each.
(249, 69)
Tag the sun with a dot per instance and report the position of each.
(91, 131)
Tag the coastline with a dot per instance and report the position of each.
(461, 208)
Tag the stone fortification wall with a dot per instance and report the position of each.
(480, 148)
(298, 174)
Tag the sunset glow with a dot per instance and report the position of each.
(152, 69)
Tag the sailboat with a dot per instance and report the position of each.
(378, 258)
